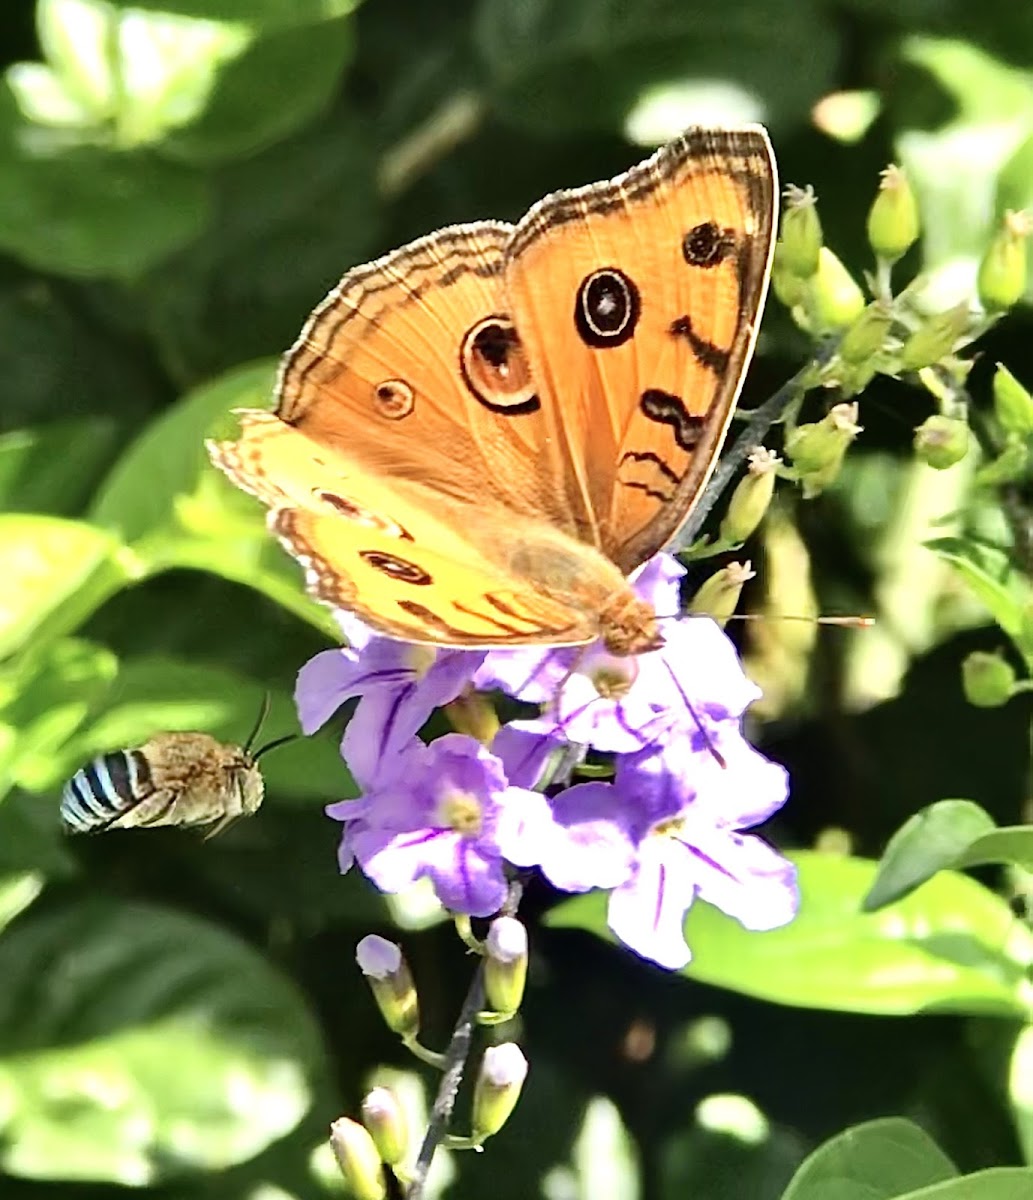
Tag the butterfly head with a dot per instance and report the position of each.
(628, 625)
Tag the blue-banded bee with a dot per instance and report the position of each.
(172, 779)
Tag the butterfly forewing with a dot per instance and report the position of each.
(642, 334)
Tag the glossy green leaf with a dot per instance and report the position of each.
(55, 573)
(995, 1183)
(166, 497)
(89, 211)
(951, 946)
(931, 840)
(991, 580)
(50, 695)
(1009, 844)
(274, 86)
(137, 1044)
(954, 163)
(574, 65)
(54, 468)
(880, 1160)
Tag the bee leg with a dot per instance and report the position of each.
(166, 802)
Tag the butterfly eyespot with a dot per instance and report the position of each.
(495, 369)
(606, 309)
(707, 245)
(395, 399)
(396, 568)
(347, 508)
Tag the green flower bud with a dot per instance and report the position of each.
(358, 1159)
(935, 338)
(893, 225)
(817, 450)
(505, 965)
(987, 679)
(719, 595)
(942, 441)
(800, 232)
(1012, 403)
(391, 983)
(384, 1118)
(789, 288)
(752, 496)
(502, 1074)
(836, 299)
(867, 334)
(1001, 281)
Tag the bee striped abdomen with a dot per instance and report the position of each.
(104, 790)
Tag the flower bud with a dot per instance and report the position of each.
(505, 965)
(789, 288)
(941, 441)
(800, 232)
(935, 338)
(1012, 403)
(987, 679)
(817, 450)
(358, 1159)
(502, 1074)
(385, 1120)
(1001, 281)
(391, 983)
(719, 595)
(867, 334)
(836, 298)
(752, 496)
(474, 714)
(893, 225)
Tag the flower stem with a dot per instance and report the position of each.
(454, 1065)
(430, 1057)
(758, 422)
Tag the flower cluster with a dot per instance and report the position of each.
(667, 827)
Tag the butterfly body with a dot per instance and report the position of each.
(173, 779)
(479, 436)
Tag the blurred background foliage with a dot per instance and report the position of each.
(180, 182)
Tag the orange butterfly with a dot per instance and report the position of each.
(479, 435)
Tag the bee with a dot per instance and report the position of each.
(172, 779)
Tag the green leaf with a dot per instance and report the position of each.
(166, 497)
(1011, 844)
(89, 211)
(55, 572)
(287, 224)
(168, 461)
(931, 840)
(54, 468)
(995, 1183)
(50, 694)
(954, 162)
(991, 580)
(138, 1044)
(879, 1160)
(952, 946)
(274, 87)
(17, 892)
(573, 65)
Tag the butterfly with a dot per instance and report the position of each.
(480, 435)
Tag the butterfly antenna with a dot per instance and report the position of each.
(263, 712)
(856, 621)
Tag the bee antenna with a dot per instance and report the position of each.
(280, 741)
(263, 712)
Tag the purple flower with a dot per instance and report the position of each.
(400, 685)
(668, 830)
(446, 812)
